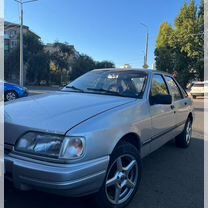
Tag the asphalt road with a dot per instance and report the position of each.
(172, 178)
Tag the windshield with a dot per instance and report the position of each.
(117, 83)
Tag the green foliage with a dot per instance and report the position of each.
(186, 30)
(104, 64)
(12, 63)
(199, 64)
(32, 45)
(57, 66)
(165, 35)
(181, 48)
(84, 64)
(60, 57)
(164, 52)
(35, 62)
(40, 69)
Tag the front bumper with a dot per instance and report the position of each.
(65, 179)
(23, 93)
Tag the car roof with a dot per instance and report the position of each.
(132, 70)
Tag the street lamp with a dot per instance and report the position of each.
(146, 47)
(21, 40)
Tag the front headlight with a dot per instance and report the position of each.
(51, 145)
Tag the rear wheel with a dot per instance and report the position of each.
(10, 95)
(184, 139)
(122, 178)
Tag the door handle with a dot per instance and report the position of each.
(172, 106)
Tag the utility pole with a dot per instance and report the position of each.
(21, 79)
(146, 47)
(21, 48)
(146, 51)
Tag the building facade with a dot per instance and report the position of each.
(11, 35)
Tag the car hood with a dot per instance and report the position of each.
(55, 112)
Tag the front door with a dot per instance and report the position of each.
(162, 116)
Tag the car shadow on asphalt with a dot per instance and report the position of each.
(172, 177)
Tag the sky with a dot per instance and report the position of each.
(103, 29)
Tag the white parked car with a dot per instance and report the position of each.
(199, 89)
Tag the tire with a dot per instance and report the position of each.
(10, 95)
(183, 140)
(123, 177)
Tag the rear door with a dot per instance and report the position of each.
(162, 116)
(180, 101)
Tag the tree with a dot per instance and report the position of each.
(35, 60)
(163, 51)
(104, 64)
(189, 34)
(40, 69)
(62, 58)
(181, 48)
(199, 64)
(164, 36)
(12, 64)
(84, 64)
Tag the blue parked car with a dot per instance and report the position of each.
(12, 91)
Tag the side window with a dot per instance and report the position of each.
(174, 90)
(159, 86)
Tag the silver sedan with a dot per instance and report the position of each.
(90, 137)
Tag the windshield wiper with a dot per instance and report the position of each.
(75, 88)
(110, 92)
(103, 90)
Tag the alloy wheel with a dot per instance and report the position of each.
(121, 179)
(188, 132)
(11, 96)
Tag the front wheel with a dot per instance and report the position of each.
(184, 139)
(10, 95)
(122, 178)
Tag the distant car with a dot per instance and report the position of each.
(43, 82)
(199, 89)
(90, 136)
(12, 91)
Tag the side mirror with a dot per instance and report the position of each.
(161, 99)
